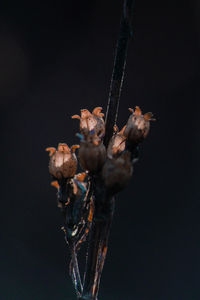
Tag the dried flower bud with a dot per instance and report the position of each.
(63, 162)
(92, 121)
(92, 153)
(117, 143)
(138, 126)
(116, 173)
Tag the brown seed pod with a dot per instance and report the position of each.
(92, 153)
(138, 126)
(91, 121)
(63, 162)
(117, 143)
(116, 173)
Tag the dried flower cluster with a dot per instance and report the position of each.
(115, 163)
(106, 172)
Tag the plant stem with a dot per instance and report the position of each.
(103, 246)
(97, 247)
(118, 69)
(104, 204)
(76, 278)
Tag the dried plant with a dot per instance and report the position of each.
(107, 157)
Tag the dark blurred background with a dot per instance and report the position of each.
(56, 59)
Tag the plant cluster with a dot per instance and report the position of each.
(86, 199)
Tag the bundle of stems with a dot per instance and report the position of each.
(99, 235)
(88, 206)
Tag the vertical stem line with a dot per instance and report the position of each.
(118, 69)
(97, 249)
(75, 272)
(104, 205)
(103, 247)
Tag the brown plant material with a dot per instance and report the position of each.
(63, 161)
(117, 143)
(87, 199)
(138, 126)
(81, 176)
(91, 121)
(79, 180)
(92, 153)
(55, 184)
(117, 172)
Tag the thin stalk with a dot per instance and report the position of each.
(102, 249)
(76, 278)
(97, 248)
(104, 205)
(118, 69)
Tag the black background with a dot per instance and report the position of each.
(56, 59)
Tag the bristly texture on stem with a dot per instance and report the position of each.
(125, 34)
(106, 155)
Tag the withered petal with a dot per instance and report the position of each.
(137, 111)
(76, 117)
(63, 147)
(122, 130)
(85, 113)
(51, 150)
(148, 116)
(74, 147)
(97, 112)
(55, 184)
(131, 110)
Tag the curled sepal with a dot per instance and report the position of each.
(97, 111)
(117, 172)
(63, 161)
(138, 125)
(148, 117)
(51, 150)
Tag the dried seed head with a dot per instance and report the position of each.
(92, 153)
(63, 162)
(87, 120)
(138, 126)
(117, 143)
(92, 121)
(116, 173)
